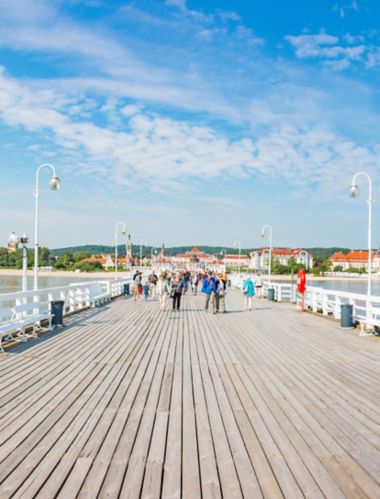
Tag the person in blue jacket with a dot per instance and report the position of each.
(206, 289)
(210, 288)
(249, 292)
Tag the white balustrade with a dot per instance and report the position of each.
(77, 296)
(329, 301)
(320, 300)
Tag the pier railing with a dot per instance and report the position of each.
(283, 291)
(76, 296)
(324, 301)
(328, 302)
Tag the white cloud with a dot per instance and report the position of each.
(373, 58)
(153, 151)
(352, 6)
(329, 48)
(130, 109)
(198, 15)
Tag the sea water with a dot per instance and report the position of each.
(351, 286)
(11, 284)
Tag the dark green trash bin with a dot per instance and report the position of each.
(126, 289)
(56, 309)
(270, 294)
(346, 316)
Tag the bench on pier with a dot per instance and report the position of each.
(98, 296)
(18, 319)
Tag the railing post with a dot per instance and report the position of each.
(337, 307)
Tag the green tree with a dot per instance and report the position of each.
(88, 266)
(44, 257)
(321, 266)
(65, 261)
(81, 255)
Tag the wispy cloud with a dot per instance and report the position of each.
(155, 151)
(337, 53)
(343, 8)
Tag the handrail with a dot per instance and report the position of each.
(76, 296)
(325, 301)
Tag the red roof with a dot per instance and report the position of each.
(352, 256)
(93, 259)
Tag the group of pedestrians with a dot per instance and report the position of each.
(173, 285)
(214, 288)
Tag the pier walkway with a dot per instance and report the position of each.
(130, 402)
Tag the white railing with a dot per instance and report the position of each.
(329, 301)
(76, 296)
(324, 301)
(283, 291)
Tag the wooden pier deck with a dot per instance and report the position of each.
(130, 402)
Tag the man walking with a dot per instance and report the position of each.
(206, 290)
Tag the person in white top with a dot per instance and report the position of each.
(162, 291)
(259, 286)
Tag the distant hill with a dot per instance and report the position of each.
(317, 252)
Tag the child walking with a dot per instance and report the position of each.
(146, 289)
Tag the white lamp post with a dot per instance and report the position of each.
(123, 231)
(354, 192)
(54, 185)
(237, 244)
(268, 228)
(142, 242)
(23, 240)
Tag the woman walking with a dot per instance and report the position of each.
(162, 290)
(137, 289)
(249, 292)
(177, 286)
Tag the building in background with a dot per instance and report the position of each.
(161, 262)
(237, 261)
(260, 258)
(355, 259)
(195, 259)
(216, 265)
(105, 260)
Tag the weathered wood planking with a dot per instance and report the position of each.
(132, 402)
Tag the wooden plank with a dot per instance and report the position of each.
(128, 401)
(171, 487)
(345, 483)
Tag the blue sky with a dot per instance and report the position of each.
(195, 122)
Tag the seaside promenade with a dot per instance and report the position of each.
(126, 401)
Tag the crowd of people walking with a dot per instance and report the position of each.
(173, 285)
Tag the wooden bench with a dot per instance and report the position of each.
(16, 320)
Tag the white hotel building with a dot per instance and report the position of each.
(260, 258)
